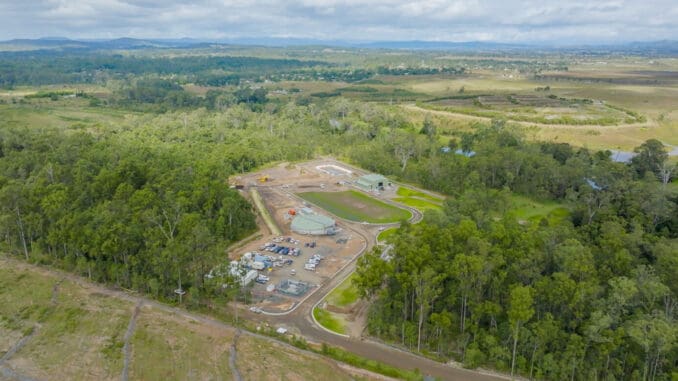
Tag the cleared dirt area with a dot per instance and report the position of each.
(76, 333)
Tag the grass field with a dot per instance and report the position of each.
(617, 82)
(329, 320)
(356, 206)
(344, 295)
(536, 109)
(74, 114)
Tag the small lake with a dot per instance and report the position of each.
(626, 156)
(622, 156)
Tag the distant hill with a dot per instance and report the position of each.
(665, 47)
(115, 44)
(444, 45)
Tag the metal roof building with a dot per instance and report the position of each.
(373, 181)
(313, 224)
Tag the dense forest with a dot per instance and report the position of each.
(589, 296)
(143, 203)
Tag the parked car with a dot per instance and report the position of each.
(255, 309)
(309, 266)
(263, 279)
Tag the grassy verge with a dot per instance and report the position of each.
(407, 192)
(344, 295)
(259, 203)
(328, 320)
(371, 365)
(356, 206)
(416, 203)
(386, 234)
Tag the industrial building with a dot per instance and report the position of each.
(373, 181)
(313, 224)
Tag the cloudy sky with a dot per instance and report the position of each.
(561, 21)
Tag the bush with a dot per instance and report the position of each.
(474, 357)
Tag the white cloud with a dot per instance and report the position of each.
(453, 20)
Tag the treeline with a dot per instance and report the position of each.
(590, 297)
(160, 95)
(48, 68)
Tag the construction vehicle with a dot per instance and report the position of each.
(264, 179)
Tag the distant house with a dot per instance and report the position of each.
(465, 153)
(373, 181)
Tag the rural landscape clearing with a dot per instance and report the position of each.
(310, 190)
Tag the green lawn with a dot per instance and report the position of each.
(386, 234)
(531, 210)
(418, 200)
(328, 320)
(356, 206)
(344, 295)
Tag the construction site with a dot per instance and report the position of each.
(302, 245)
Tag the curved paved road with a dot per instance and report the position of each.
(301, 319)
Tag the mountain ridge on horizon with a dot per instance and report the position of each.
(53, 42)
